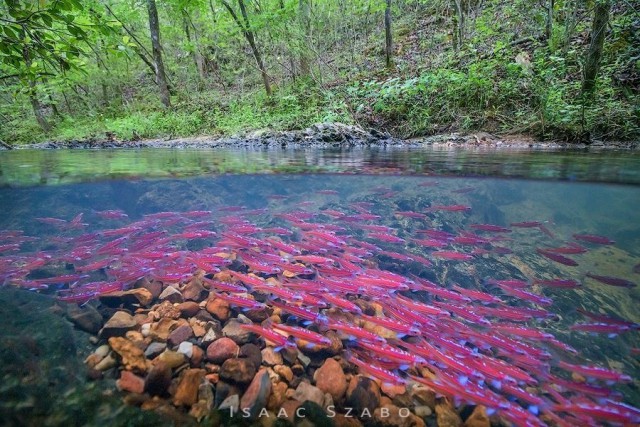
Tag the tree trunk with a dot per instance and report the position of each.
(197, 56)
(388, 45)
(248, 34)
(33, 98)
(458, 36)
(161, 77)
(548, 28)
(304, 12)
(592, 59)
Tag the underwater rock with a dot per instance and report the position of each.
(239, 371)
(231, 403)
(363, 394)
(221, 350)
(172, 295)
(153, 286)
(423, 396)
(137, 296)
(194, 291)
(330, 379)
(258, 315)
(225, 390)
(390, 415)
(173, 359)
(188, 308)
(288, 409)
(240, 335)
(161, 330)
(118, 325)
(219, 308)
(130, 382)
(131, 355)
(179, 334)
(154, 349)
(310, 414)
(284, 372)
(158, 379)
(166, 309)
(186, 348)
(85, 318)
(270, 357)
(255, 398)
(187, 392)
(306, 391)
(278, 395)
(107, 363)
(340, 420)
(478, 418)
(253, 353)
(197, 356)
(447, 417)
(213, 331)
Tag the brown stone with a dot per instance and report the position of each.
(153, 286)
(270, 357)
(478, 418)
(166, 310)
(330, 379)
(188, 308)
(255, 398)
(132, 356)
(306, 391)
(284, 371)
(341, 420)
(390, 415)
(172, 295)
(187, 392)
(197, 356)
(221, 350)
(138, 297)
(257, 315)
(288, 409)
(278, 395)
(424, 396)
(392, 390)
(179, 334)
(194, 291)
(219, 309)
(237, 370)
(85, 318)
(118, 325)
(363, 393)
(447, 417)
(130, 382)
(160, 330)
(173, 359)
(158, 379)
(198, 326)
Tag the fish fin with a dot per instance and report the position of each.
(534, 409)
(404, 367)
(612, 335)
(279, 348)
(307, 322)
(463, 379)
(496, 384)
(491, 411)
(400, 335)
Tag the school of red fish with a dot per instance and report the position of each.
(482, 347)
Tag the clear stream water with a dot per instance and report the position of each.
(567, 192)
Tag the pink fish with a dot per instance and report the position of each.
(239, 301)
(271, 336)
(606, 328)
(594, 238)
(490, 228)
(557, 257)
(560, 283)
(452, 255)
(312, 337)
(612, 281)
(449, 208)
(375, 371)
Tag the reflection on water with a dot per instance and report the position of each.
(29, 167)
(427, 235)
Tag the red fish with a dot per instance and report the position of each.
(310, 336)
(557, 257)
(559, 283)
(612, 281)
(452, 255)
(595, 372)
(449, 208)
(594, 238)
(375, 371)
(491, 228)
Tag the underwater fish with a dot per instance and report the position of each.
(612, 281)
(594, 238)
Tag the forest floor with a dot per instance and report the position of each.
(328, 135)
